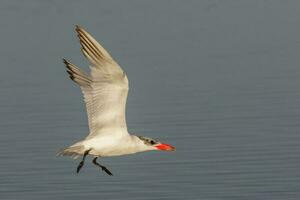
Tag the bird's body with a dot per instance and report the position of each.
(106, 146)
(105, 93)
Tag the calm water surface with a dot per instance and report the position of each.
(218, 80)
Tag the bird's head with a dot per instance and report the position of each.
(152, 144)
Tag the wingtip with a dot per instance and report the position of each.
(67, 65)
(65, 61)
(78, 28)
(69, 72)
(72, 77)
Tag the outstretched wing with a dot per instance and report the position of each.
(105, 89)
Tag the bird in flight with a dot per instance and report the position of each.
(105, 92)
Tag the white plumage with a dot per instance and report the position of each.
(105, 92)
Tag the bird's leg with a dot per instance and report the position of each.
(82, 161)
(102, 167)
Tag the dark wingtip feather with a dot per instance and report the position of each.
(78, 28)
(72, 77)
(69, 68)
(69, 72)
(65, 61)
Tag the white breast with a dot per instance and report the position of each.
(106, 145)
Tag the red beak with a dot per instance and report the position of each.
(165, 147)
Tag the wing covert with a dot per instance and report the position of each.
(105, 89)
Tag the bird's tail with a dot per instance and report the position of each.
(72, 151)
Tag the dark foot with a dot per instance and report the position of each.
(79, 166)
(102, 167)
(82, 161)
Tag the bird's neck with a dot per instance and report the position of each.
(138, 144)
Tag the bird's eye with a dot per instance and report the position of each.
(152, 142)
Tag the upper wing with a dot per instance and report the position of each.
(105, 90)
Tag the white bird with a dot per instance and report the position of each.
(105, 92)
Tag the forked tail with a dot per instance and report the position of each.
(72, 151)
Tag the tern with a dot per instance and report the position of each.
(105, 92)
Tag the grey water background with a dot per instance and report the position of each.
(219, 80)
